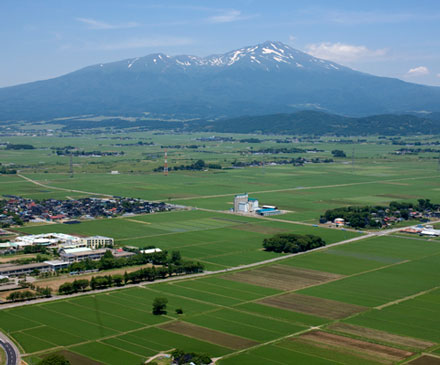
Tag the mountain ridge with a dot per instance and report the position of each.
(267, 78)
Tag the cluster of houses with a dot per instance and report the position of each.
(28, 210)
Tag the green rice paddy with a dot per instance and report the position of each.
(395, 278)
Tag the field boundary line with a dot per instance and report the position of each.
(108, 313)
(409, 297)
(269, 342)
(203, 291)
(226, 288)
(118, 348)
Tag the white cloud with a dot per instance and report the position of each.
(96, 24)
(340, 52)
(229, 16)
(371, 17)
(292, 38)
(144, 43)
(418, 71)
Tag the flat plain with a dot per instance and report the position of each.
(370, 301)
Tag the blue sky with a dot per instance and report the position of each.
(47, 38)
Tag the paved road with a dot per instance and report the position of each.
(12, 353)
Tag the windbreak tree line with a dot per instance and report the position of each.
(199, 165)
(108, 261)
(292, 243)
(170, 265)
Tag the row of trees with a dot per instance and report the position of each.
(11, 146)
(292, 243)
(108, 261)
(274, 150)
(6, 171)
(144, 274)
(199, 165)
(17, 296)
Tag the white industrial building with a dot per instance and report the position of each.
(244, 204)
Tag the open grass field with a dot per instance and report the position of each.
(373, 301)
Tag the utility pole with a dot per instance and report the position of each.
(352, 161)
(71, 165)
(165, 166)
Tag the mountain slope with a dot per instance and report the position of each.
(319, 123)
(266, 78)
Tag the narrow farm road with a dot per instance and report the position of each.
(61, 189)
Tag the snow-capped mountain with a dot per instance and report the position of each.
(264, 56)
(266, 78)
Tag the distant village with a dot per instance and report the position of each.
(15, 210)
(382, 216)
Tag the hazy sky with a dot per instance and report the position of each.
(47, 38)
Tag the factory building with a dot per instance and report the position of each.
(244, 204)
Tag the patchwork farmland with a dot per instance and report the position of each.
(245, 322)
(371, 301)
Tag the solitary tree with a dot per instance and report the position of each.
(160, 305)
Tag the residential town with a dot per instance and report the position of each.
(15, 210)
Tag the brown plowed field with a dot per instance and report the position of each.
(209, 335)
(381, 336)
(315, 306)
(77, 359)
(380, 353)
(282, 277)
(426, 360)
